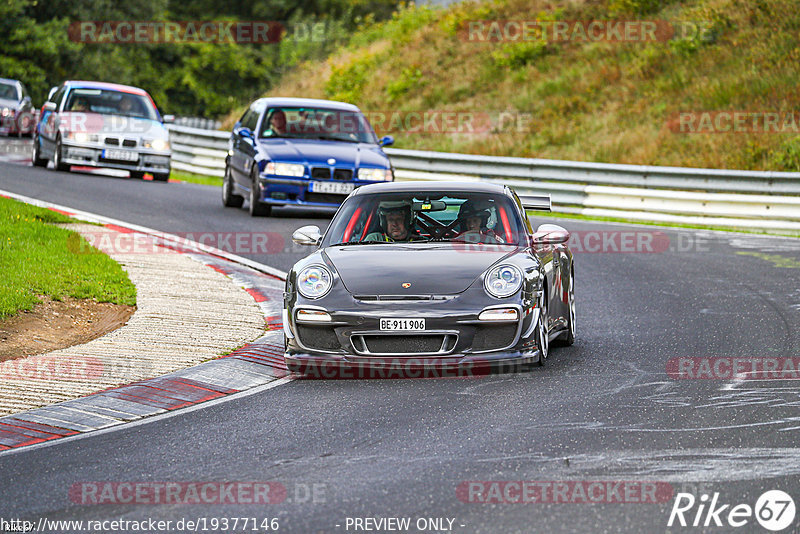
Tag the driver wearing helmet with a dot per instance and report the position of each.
(474, 220)
(396, 220)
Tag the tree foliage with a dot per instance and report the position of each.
(205, 79)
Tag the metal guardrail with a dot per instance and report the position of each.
(758, 199)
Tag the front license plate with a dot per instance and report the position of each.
(402, 324)
(331, 187)
(120, 155)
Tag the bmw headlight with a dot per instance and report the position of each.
(375, 175)
(314, 281)
(79, 137)
(286, 169)
(503, 281)
(156, 144)
(7, 112)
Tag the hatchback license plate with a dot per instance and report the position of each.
(403, 324)
(331, 187)
(120, 155)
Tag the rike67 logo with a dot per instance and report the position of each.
(774, 510)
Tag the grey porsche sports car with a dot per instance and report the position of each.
(437, 273)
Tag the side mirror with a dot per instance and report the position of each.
(49, 106)
(169, 119)
(550, 234)
(26, 100)
(246, 132)
(307, 235)
(386, 140)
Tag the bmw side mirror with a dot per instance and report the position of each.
(49, 106)
(246, 132)
(386, 140)
(169, 119)
(307, 235)
(550, 234)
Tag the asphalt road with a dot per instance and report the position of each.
(605, 409)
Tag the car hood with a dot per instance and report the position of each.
(114, 124)
(441, 269)
(11, 104)
(318, 152)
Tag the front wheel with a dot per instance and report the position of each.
(542, 334)
(229, 198)
(568, 337)
(58, 158)
(257, 208)
(38, 160)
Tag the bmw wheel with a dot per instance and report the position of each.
(257, 208)
(37, 159)
(229, 198)
(58, 157)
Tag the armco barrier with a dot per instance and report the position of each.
(758, 199)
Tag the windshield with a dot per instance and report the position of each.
(466, 217)
(317, 123)
(8, 91)
(109, 102)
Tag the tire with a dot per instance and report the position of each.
(257, 208)
(229, 198)
(37, 160)
(568, 338)
(542, 339)
(57, 163)
(137, 175)
(160, 176)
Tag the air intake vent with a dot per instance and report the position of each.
(321, 173)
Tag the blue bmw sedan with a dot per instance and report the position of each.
(299, 151)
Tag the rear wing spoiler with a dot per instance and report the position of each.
(536, 202)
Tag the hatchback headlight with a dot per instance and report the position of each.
(314, 281)
(375, 175)
(286, 169)
(503, 281)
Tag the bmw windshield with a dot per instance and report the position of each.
(317, 123)
(109, 102)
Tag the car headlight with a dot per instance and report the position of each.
(286, 169)
(6, 112)
(78, 137)
(376, 175)
(156, 144)
(314, 281)
(503, 281)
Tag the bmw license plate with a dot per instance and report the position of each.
(338, 188)
(120, 155)
(403, 324)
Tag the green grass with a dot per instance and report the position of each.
(195, 178)
(574, 216)
(588, 101)
(37, 258)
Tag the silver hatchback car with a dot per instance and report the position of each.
(96, 124)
